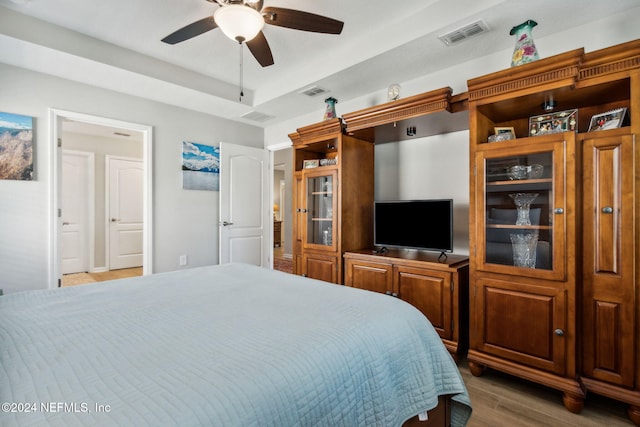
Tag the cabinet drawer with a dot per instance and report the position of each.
(372, 276)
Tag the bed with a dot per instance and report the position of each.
(226, 345)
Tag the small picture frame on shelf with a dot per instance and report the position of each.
(310, 164)
(561, 121)
(503, 129)
(609, 120)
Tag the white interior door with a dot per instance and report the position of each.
(245, 198)
(76, 198)
(125, 212)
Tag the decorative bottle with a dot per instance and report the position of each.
(525, 50)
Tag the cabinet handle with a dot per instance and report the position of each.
(395, 295)
(388, 293)
(559, 332)
(607, 210)
(558, 211)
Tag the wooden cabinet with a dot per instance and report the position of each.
(610, 352)
(277, 234)
(333, 198)
(437, 286)
(554, 292)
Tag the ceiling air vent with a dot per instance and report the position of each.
(256, 116)
(463, 33)
(313, 91)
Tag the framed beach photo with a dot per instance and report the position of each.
(503, 129)
(310, 164)
(608, 120)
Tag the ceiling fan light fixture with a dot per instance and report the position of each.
(239, 22)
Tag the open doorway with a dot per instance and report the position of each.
(282, 203)
(101, 199)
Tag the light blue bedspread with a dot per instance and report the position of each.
(228, 345)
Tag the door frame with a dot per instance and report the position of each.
(56, 116)
(272, 149)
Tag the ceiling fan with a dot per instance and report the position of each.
(243, 20)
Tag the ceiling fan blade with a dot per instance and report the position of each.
(191, 30)
(260, 49)
(299, 20)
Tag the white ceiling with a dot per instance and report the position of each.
(116, 44)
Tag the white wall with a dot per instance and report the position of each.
(428, 168)
(185, 222)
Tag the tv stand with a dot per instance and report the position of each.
(435, 284)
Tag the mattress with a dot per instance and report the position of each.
(226, 345)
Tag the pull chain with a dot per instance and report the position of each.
(241, 70)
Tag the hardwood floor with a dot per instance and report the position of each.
(500, 400)
(281, 263)
(83, 278)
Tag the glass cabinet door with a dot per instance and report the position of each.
(521, 224)
(320, 204)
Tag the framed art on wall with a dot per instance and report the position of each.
(16, 147)
(200, 167)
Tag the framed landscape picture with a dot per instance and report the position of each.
(16, 147)
(200, 167)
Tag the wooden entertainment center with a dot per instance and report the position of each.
(436, 285)
(553, 296)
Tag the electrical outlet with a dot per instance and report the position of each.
(183, 260)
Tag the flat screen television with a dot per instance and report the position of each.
(414, 224)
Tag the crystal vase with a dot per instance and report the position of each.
(525, 50)
(523, 204)
(524, 249)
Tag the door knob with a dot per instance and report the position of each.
(225, 223)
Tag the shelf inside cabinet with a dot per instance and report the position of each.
(520, 227)
(518, 185)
